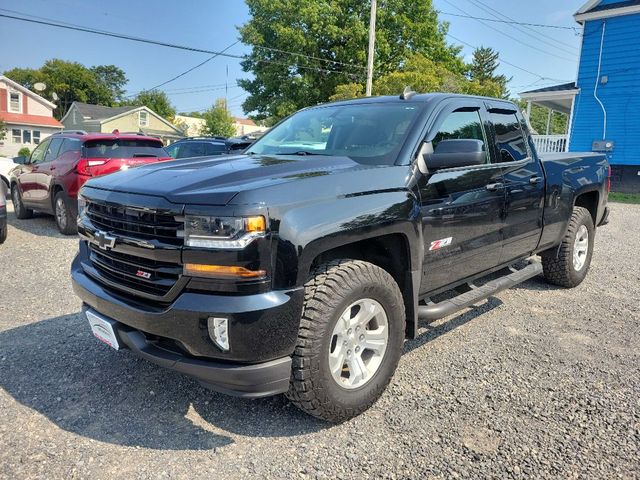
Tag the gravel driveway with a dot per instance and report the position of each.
(536, 382)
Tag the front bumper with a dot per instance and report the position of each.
(262, 327)
(252, 381)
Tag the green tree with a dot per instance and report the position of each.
(218, 121)
(326, 32)
(424, 75)
(24, 152)
(155, 100)
(112, 79)
(72, 81)
(483, 70)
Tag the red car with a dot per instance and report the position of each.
(50, 179)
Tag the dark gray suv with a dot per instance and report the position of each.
(207, 146)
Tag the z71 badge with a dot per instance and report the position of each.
(438, 244)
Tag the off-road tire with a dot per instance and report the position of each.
(19, 209)
(3, 233)
(331, 288)
(64, 214)
(557, 262)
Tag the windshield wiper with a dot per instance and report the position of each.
(300, 152)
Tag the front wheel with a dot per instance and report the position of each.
(568, 264)
(20, 210)
(350, 339)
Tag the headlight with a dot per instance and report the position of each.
(222, 232)
(82, 204)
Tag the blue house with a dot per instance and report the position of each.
(604, 103)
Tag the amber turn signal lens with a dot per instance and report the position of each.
(255, 224)
(220, 271)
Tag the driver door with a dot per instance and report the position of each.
(28, 178)
(462, 207)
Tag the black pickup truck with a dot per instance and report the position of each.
(301, 265)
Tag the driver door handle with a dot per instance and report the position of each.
(494, 187)
(534, 180)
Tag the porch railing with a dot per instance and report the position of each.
(550, 143)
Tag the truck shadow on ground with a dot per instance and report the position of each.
(58, 369)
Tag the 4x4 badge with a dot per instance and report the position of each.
(104, 240)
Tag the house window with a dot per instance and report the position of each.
(26, 136)
(14, 102)
(144, 119)
(36, 137)
(16, 135)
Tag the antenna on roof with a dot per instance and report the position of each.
(407, 94)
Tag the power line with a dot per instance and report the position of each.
(536, 35)
(533, 47)
(196, 66)
(514, 22)
(173, 45)
(335, 62)
(504, 61)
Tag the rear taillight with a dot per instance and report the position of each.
(84, 165)
(609, 179)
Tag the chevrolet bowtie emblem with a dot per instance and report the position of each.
(104, 240)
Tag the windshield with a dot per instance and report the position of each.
(370, 133)
(120, 148)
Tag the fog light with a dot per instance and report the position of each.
(219, 332)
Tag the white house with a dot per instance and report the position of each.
(28, 118)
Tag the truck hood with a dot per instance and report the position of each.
(217, 180)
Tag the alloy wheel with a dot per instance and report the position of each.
(358, 343)
(580, 248)
(61, 213)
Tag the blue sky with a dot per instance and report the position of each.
(551, 54)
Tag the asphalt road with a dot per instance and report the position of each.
(537, 382)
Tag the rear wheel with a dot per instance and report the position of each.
(350, 339)
(568, 264)
(64, 212)
(20, 210)
(3, 231)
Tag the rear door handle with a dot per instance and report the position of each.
(534, 180)
(494, 187)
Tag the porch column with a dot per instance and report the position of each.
(569, 123)
(549, 115)
(529, 111)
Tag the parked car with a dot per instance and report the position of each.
(207, 146)
(3, 212)
(49, 181)
(6, 165)
(302, 270)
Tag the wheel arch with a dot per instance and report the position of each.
(392, 253)
(590, 200)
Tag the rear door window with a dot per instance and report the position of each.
(123, 148)
(52, 150)
(510, 140)
(70, 145)
(215, 148)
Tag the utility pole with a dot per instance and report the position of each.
(372, 41)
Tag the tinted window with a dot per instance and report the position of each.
(509, 138)
(215, 148)
(121, 148)
(70, 144)
(370, 133)
(38, 154)
(52, 149)
(461, 125)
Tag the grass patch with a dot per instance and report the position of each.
(624, 197)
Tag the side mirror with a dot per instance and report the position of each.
(456, 153)
(20, 160)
